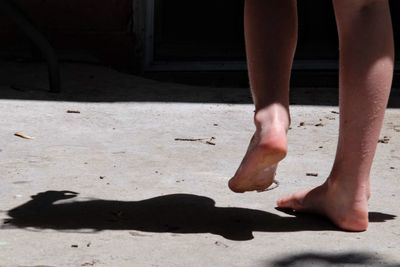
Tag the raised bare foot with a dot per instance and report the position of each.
(267, 147)
(346, 208)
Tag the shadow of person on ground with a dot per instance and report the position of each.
(177, 213)
(330, 259)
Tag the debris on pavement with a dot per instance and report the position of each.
(275, 185)
(208, 141)
(335, 112)
(220, 244)
(73, 111)
(319, 125)
(189, 139)
(384, 140)
(314, 174)
(91, 263)
(24, 136)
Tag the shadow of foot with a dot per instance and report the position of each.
(177, 213)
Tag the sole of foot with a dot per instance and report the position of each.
(258, 168)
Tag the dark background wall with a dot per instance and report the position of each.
(184, 30)
(213, 29)
(99, 27)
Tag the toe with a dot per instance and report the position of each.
(294, 202)
(285, 203)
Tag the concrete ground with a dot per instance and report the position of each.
(125, 182)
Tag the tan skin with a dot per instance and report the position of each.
(366, 69)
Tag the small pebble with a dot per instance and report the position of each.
(220, 244)
(384, 140)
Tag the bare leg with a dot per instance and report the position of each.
(366, 69)
(271, 36)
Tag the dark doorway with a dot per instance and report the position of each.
(198, 30)
(212, 30)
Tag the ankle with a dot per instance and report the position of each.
(274, 115)
(356, 190)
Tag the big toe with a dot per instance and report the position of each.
(286, 203)
(294, 201)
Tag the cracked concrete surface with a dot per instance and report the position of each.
(111, 185)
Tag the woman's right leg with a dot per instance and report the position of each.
(366, 69)
(271, 37)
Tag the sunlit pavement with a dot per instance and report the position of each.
(118, 170)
